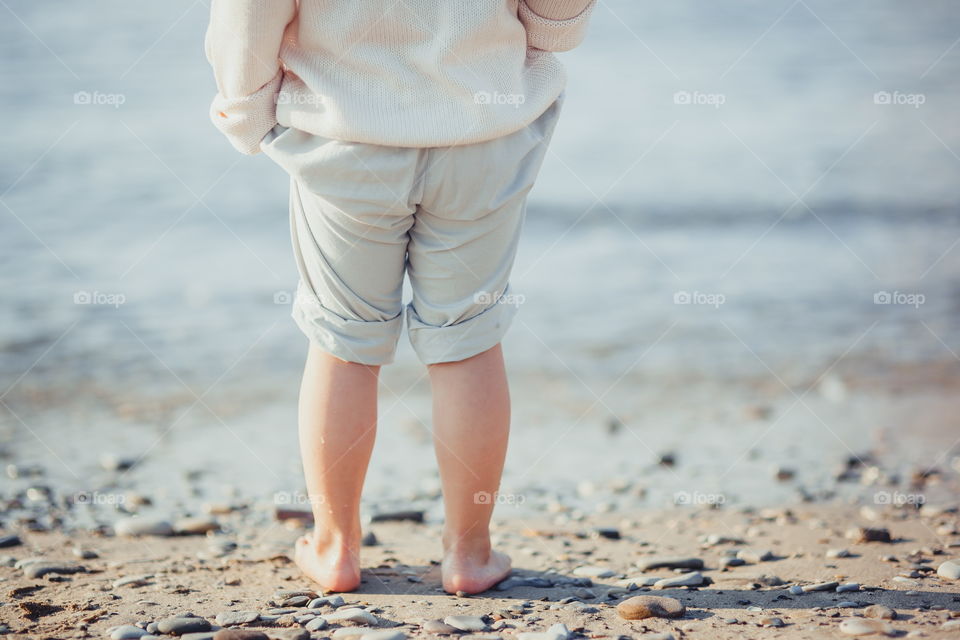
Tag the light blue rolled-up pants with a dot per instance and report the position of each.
(364, 215)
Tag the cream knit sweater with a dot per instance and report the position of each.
(413, 73)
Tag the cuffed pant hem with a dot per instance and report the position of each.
(363, 342)
(451, 343)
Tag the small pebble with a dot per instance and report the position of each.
(233, 618)
(880, 611)
(126, 632)
(594, 572)
(670, 563)
(180, 625)
(755, 555)
(641, 607)
(135, 527)
(692, 579)
(317, 624)
(466, 623)
(864, 627)
(239, 634)
(10, 541)
(439, 627)
(132, 581)
(949, 570)
(40, 569)
(352, 614)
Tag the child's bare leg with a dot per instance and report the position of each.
(471, 418)
(338, 421)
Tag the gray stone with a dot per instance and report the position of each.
(179, 626)
(240, 634)
(329, 601)
(880, 611)
(135, 527)
(820, 586)
(521, 581)
(127, 632)
(949, 570)
(317, 624)
(233, 618)
(838, 553)
(692, 579)
(132, 581)
(850, 586)
(670, 563)
(195, 526)
(40, 569)
(771, 621)
(755, 555)
(466, 623)
(439, 627)
(797, 590)
(352, 614)
(10, 541)
(594, 572)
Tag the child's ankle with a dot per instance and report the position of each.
(470, 543)
(328, 539)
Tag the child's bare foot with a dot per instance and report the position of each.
(333, 566)
(473, 572)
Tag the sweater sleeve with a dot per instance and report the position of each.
(242, 44)
(555, 25)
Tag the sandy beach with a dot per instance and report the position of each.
(813, 571)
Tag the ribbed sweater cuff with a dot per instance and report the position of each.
(558, 9)
(246, 120)
(555, 34)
